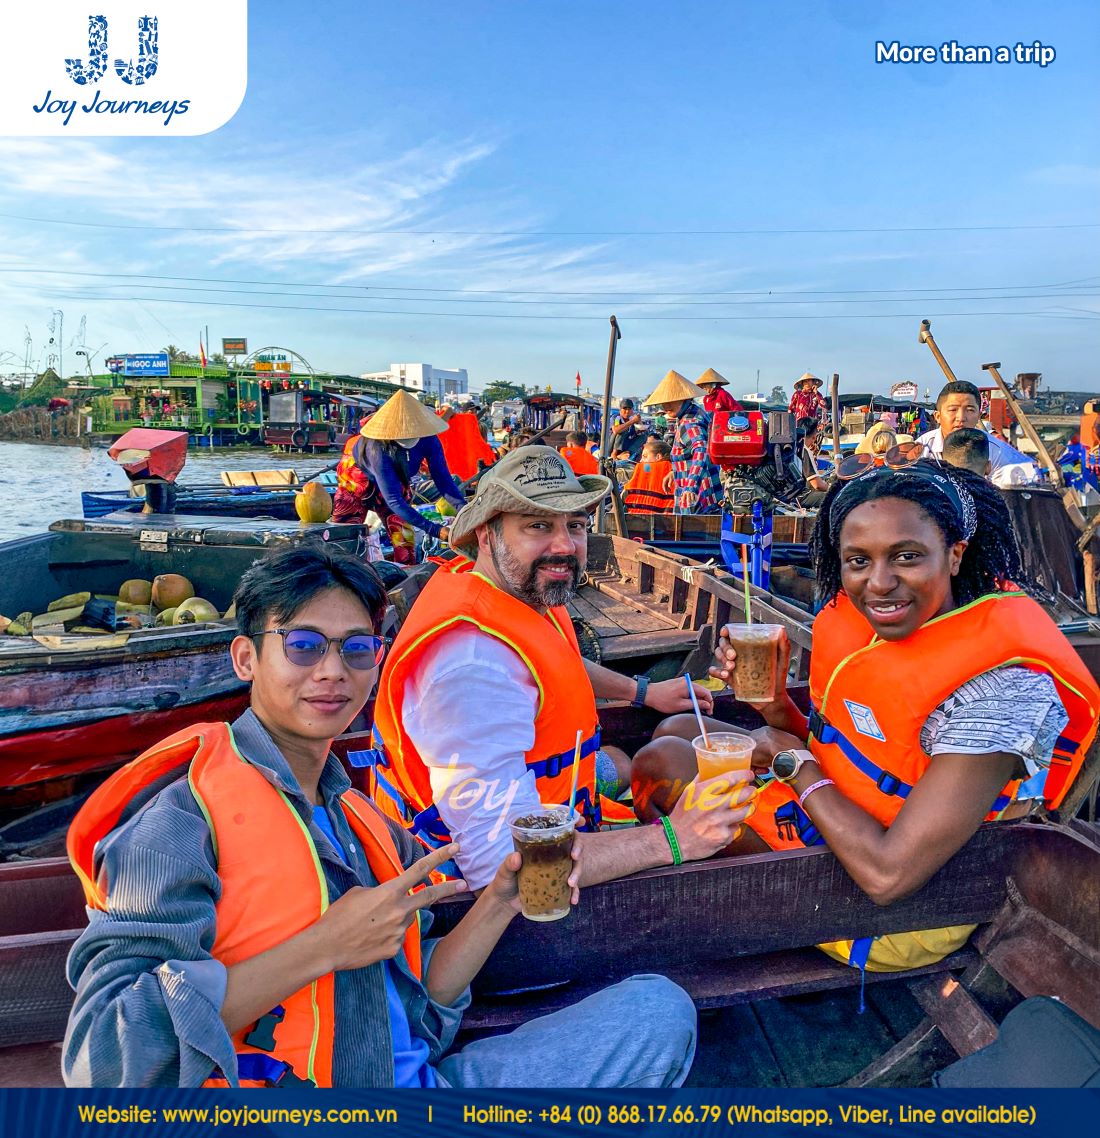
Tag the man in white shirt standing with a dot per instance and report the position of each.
(485, 690)
(959, 405)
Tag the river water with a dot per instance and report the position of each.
(40, 484)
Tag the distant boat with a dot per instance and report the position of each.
(230, 501)
(74, 703)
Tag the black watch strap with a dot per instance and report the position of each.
(639, 695)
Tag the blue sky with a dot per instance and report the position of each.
(480, 185)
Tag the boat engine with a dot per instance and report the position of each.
(754, 451)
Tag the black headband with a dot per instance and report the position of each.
(962, 503)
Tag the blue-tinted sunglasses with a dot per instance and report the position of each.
(306, 647)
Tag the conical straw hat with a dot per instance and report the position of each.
(403, 416)
(672, 389)
(711, 376)
(810, 376)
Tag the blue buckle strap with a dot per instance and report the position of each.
(888, 783)
(430, 828)
(262, 1034)
(589, 808)
(271, 1072)
(791, 820)
(373, 756)
(857, 958)
(553, 765)
(826, 733)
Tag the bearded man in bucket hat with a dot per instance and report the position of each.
(485, 690)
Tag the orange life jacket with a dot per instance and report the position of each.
(645, 492)
(580, 461)
(871, 697)
(350, 476)
(463, 446)
(548, 646)
(261, 904)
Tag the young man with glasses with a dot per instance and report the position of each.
(251, 917)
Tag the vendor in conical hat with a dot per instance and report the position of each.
(717, 398)
(806, 402)
(378, 465)
(694, 479)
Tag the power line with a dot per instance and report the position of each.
(547, 232)
(533, 316)
(621, 303)
(618, 296)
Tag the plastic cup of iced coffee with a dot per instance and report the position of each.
(721, 752)
(756, 677)
(544, 839)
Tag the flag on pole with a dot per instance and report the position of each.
(578, 381)
(202, 353)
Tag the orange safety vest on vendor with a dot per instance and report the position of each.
(464, 446)
(350, 476)
(645, 492)
(548, 646)
(871, 697)
(261, 905)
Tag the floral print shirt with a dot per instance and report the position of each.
(806, 403)
(698, 488)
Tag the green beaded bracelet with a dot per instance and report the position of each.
(674, 845)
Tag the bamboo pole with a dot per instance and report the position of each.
(605, 425)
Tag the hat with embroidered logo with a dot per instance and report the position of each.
(528, 480)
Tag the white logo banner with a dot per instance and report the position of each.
(122, 67)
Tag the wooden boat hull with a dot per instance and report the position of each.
(730, 930)
(106, 742)
(242, 503)
(55, 701)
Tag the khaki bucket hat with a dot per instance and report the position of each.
(403, 416)
(528, 480)
(710, 376)
(672, 389)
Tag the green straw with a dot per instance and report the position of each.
(745, 580)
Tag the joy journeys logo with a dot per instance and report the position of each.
(127, 67)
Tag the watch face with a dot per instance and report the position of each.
(784, 764)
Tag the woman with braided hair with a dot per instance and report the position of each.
(942, 695)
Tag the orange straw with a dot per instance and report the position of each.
(745, 579)
(576, 771)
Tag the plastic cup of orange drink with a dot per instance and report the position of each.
(721, 752)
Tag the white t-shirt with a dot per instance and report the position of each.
(470, 712)
(1000, 453)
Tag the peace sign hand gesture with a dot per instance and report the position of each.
(368, 924)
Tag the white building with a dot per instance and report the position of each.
(435, 381)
